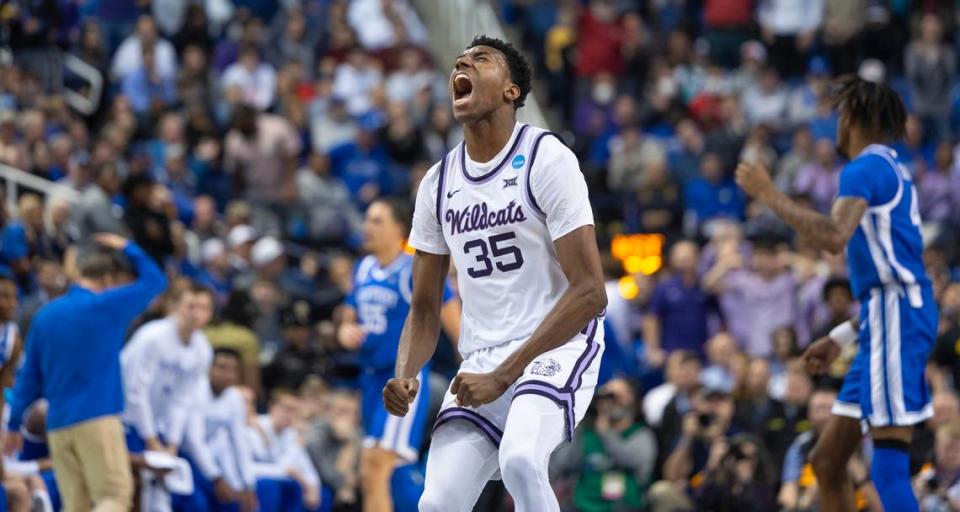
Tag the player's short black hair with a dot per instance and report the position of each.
(229, 352)
(873, 106)
(520, 71)
(400, 209)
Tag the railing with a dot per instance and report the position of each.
(14, 178)
(453, 24)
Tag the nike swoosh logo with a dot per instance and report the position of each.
(451, 193)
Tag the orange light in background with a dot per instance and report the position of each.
(407, 248)
(640, 253)
(628, 287)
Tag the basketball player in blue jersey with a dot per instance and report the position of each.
(372, 319)
(876, 219)
(510, 207)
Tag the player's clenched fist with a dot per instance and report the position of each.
(753, 178)
(398, 394)
(820, 355)
(476, 389)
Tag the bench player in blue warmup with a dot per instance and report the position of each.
(876, 219)
(373, 317)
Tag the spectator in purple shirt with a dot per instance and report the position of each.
(756, 300)
(679, 309)
(939, 191)
(820, 179)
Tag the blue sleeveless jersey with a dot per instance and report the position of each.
(887, 247)
(381, 298)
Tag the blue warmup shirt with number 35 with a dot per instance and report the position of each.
(381, 298)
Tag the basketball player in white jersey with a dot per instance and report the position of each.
(510, 206)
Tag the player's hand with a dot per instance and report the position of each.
(223, 491)
(820, 354)
(154, 445)
(111, 240)
(351, 336)
(248, 501)
(398, 394)
(476, 389)
(753, 178)
(311, 497)
(12, 443)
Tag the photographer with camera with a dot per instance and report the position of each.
(938, 485)
(705, 429)
(614, 454)
(737, 477)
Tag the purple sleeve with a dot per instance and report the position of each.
(657, 301)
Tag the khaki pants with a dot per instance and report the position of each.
(92, 466)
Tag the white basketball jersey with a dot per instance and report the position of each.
(498, 221)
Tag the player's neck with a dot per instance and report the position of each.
(486, 137)
(859, 142)
(386, 257)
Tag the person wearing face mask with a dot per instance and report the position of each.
(614, 455)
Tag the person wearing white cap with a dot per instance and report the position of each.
(266, 263)
(266, 255)
(216, 270)
(240, 239)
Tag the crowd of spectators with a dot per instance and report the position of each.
(240, 141)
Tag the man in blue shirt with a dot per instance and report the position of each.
(362, 165)
(712, 195)
(73, 360)
(373, 317)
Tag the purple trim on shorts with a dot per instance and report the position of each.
(489, 176)
(486, 426)
(586, 328)
(576, 377)
(563, 398)
(533, 156)
(443, 168)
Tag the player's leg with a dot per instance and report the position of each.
(535, 427)
(376, 468)
(836, 444)
(840, 439)
(902, 333)
(391, 440)
(460, 462)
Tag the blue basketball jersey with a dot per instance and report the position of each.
(887, 247)
(381, 298)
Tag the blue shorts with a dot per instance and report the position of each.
(886, 384)
(383, 430)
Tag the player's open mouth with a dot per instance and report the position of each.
(462, 88)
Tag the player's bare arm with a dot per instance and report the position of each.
(584, 299)
(421, 331)
(828, 233)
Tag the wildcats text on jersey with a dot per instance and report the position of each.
(479, 216)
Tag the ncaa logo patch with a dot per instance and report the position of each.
(545, 367)
(518, 161)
